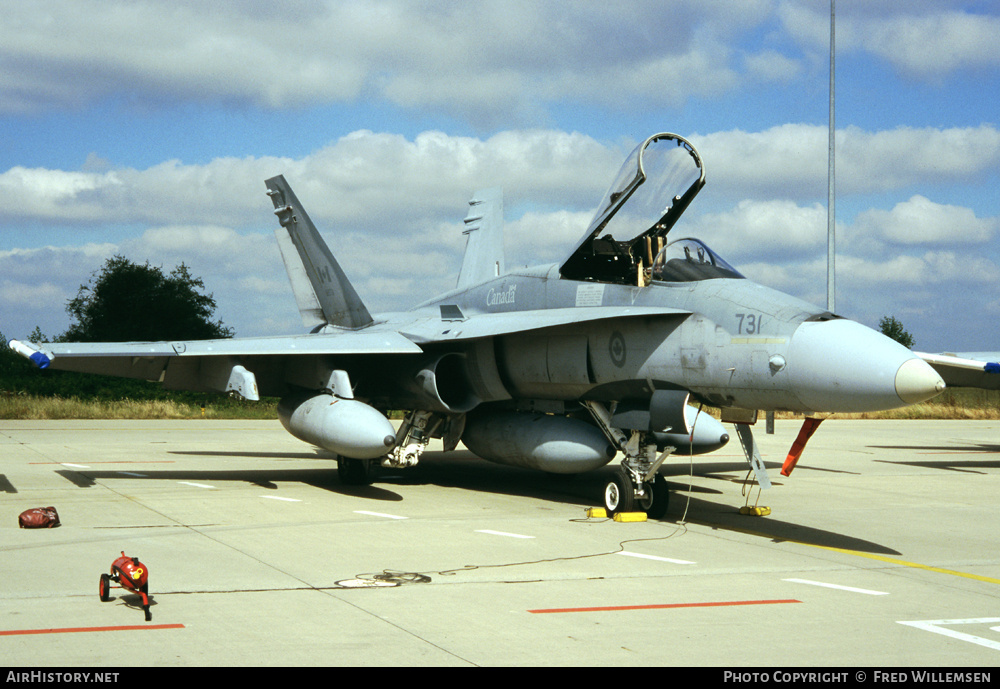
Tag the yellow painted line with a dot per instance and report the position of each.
(905, 563)
(870, 556)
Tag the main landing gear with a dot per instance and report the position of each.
(357, 472)
(412, 439)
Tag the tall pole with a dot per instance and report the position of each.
(831, 215)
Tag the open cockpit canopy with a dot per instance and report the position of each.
(653, 188)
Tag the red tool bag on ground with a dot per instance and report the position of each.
(38, 518)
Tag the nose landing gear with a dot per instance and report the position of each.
(627, 492)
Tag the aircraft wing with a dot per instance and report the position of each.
(453, 325)
(348, 342)
(212, 365)
(226, 365)
(966, 370)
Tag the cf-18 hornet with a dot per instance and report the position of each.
(559, 368)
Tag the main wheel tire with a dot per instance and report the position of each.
(356, 472)
(657, 498)
(104, 590)
(619, 495)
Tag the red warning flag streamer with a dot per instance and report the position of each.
(809, 427)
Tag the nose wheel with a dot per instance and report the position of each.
(624, 493)
(656, 498)
(619, 494)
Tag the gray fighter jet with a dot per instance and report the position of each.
(559, 367)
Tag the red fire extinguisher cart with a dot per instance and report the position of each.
(131, 575)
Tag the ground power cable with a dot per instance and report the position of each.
(401, 577)
(687, 502)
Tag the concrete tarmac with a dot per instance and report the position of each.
(881, 551)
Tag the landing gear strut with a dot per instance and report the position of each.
(412, 439)
(636, 484)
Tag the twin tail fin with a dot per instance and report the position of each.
(322, 291)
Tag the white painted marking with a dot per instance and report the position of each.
(75, 466)
(379, 514)
(838, 587)
(276, 497)
(935, 626)
(196, 485)
(132, 473)
(654, 557)
(502, 533)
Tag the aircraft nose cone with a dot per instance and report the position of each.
(842, 366)
(916, 381)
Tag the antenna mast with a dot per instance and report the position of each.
(831, 215)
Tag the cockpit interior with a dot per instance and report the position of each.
(626, 242)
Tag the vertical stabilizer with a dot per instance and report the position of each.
(322, 291)
(484, 253)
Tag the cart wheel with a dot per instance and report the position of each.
(105, 588)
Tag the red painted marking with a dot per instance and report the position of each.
(72, 630)
(667, 605)
(123, 461)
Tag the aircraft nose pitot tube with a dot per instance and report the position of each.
(842, 366)
(348, 427)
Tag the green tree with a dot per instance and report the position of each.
(893, 328)
(128, 302)
(37, 336)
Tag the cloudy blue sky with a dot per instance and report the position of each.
(147, 128)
